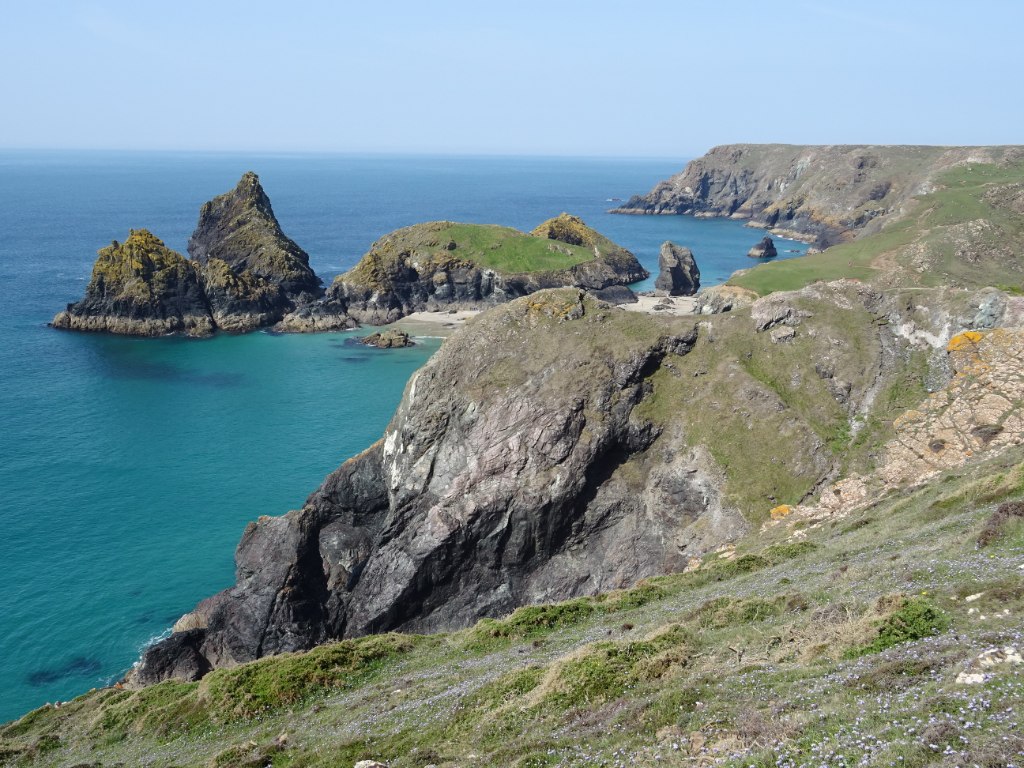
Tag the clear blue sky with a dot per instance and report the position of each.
(577, 78)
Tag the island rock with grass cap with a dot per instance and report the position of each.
(446, 265)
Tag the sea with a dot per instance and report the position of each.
(129, 467)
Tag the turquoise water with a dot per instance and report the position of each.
(128, 468)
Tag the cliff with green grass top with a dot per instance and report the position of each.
(966, 230)
(442, 265)
(824, 194)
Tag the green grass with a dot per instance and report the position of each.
(510, 251)
(931, 226)
(445, 245)
(744, 656)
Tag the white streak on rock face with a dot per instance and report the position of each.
(412, 387)
(915, 335)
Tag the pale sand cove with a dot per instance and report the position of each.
(443, 324)
(435, 323)
(657, 305)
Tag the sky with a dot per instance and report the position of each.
(570, 77)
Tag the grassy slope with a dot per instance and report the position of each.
(508, 250)
(933, 226)
(449, 245)
(778, 656)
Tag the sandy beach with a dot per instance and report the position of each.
(435, 323)
(655, 305)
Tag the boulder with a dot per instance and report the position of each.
(763, 250)
(678, 274)
(389, 339)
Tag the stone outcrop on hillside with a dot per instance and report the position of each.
(825, 194)
(559, 446)
(678, 274)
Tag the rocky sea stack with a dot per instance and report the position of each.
(141, 288)
(678, 274)
(244, 274)
(765, 249)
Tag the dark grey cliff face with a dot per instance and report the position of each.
(509, 475)
(240, 228)
(678, 274)
(466, 287)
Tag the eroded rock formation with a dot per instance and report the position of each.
(678, 274)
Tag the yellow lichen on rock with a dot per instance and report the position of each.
(781, 511)
(964, 341)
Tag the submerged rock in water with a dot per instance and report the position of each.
(678, 274)
(763, 250)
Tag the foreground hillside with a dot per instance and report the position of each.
(863, 639)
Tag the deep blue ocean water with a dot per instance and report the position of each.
(128, 467)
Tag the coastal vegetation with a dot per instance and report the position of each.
(845, 642)
(968, 232)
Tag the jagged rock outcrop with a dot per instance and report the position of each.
(765, 249)
(252, 272)
(442, 265)
(240, 229)
(510, 474)
(390, 339)
(825, 194)
(678, 274)
(723, 298)
(140, 288)
(244, 274)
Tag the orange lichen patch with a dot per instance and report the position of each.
(780, 511)
(963, 341)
